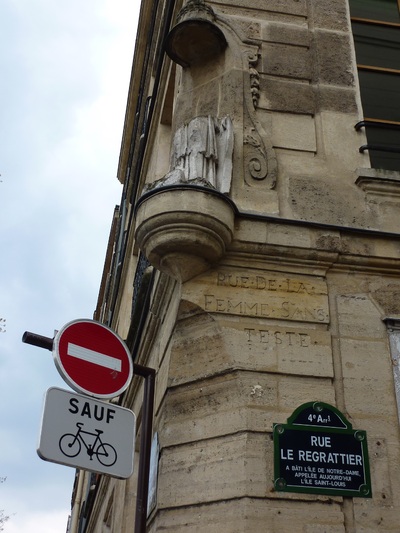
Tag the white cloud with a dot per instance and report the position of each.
(39, 522)
(64, 87)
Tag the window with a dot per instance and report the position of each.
(376, 32)
(393, 325)
(377, 10)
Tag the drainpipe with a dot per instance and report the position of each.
(77, 503)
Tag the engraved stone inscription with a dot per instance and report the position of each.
(286, 310)
(262, 295)
(274, 284)
(282, 349)
(271, 337)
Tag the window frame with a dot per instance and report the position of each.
(375, 121)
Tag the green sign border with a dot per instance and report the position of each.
(365, 490)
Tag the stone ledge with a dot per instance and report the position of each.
(255, 514)
(379, 183)
(183, 229)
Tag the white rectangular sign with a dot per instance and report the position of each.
(85, 433)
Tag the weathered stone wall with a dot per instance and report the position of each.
(235, 370)
(307, 106)
(290, 310)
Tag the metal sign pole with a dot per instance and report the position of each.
(37, 340)
(145, 446)
(147, 425)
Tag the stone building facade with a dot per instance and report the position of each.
(253, 263)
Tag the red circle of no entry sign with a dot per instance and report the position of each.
(92, 359)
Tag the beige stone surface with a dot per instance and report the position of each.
(368, 384)
(342, 100)
(359, 317)
(387, 296)
(159, 159)
(197, 349)
(260, 294)
(293, 7)
(234, 402)
(286, 96)
(333, 59)
(381, 473)
(246, 514)
(202, 346)
(269, 347)
(246, 199)
(321, 200)
(161, 381)
(237, 464)
(330, 14)
(285, 235)
(248, 28)
(287, 61)
(247, 231)
(382, 518)
(295, 132)
(291, 34)
(340, 144)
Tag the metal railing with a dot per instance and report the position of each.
(381, 125)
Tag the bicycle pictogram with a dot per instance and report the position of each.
(71, 446)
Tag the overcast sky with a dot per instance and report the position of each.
(64, 75)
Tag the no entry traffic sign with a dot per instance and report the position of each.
(92, 359)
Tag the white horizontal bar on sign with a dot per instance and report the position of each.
(96, 358)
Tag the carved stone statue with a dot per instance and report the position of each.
(225, 153)
(202, 150)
